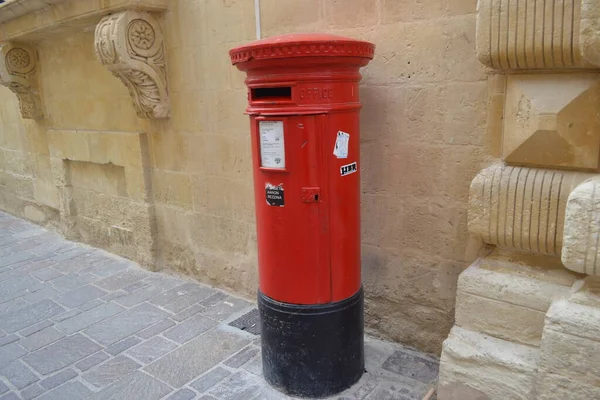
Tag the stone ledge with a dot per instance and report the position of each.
(24, 20)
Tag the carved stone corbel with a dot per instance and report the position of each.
(18, 72)
(130, 45)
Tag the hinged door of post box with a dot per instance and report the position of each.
(293, 245)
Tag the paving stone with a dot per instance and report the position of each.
(32, 391)
(92, 361)
(125, 324)
(188, 312)
(8, 339)
(393, 391)
(239, 359)
(3, 387)
(8, 273)
(29, 315)
(68, 254)
(66, 315)
(138, 296)
(193, 358)
(123, 345)
(151, 350)
(74, 264)
(412, 365)
(46, 274)
(13, 305)
(36, 328)
(213, 299)
(137, 385)
(90, 304)
(41, 339)
(183, 394)
(226, 308)
(240, 385)
(16, 285)
(181, 297)
(43, 294)
(135, 286)
(36, 265)
(79, 296)
(122, 279)
(71, 390)
(108, 269)
(210, 379)
(88, 318)
(207, 397)
(189, 329)
(61, 354)
(111, 371)
(9, 353)
(114, 295)
(254, 366)
(58, 379)
(164, 281)
(10, 396)
(18, 374)
(156, 329)
(15, 258)
(72, 281)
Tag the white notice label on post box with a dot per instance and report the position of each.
(272, 148)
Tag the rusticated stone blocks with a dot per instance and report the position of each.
(521, 208)
(551, 120)
(581, 250)
(530, 34)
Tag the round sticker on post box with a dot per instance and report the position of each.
(272, 147)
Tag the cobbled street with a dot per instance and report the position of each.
(80, 323)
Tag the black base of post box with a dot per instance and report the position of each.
(312, 350)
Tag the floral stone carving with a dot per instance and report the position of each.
(130, 45)
(18, 65)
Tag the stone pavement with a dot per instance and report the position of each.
(80, 323)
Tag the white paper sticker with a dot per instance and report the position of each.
(340, 150)
(272, 148)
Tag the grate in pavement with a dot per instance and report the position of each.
(248, 322)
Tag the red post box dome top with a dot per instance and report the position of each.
(302, 45)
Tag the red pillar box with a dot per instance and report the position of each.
(304, 121)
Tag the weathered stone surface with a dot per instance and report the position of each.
(553, 131)
(111, 371)
(581, 245)
(127, 323)
(60, 354)
(243, 357)
(412, 365)
(551, 387)
(181, 297)
(189, 329)
(151, 350)
(79, 296)
(135, 385)
(41, 339)
(92, 361)
(156, 329)
(30, 315)
(574, 319)
(32, 391)
(122, 345)
(18, 374)
(495, 367)
(201, 354)
(10, 352)
(83, 320)
(521, 208)
(509, 37)
(183, 394)
(58, 379)
(70, 390)
(210, 379)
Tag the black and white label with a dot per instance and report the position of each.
(272, 147)
(274, 195)
(348, 169)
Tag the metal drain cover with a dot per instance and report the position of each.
(249, 322)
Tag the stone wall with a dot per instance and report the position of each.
(181, 196)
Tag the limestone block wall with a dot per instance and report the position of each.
(424, 138)
(530, 297)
